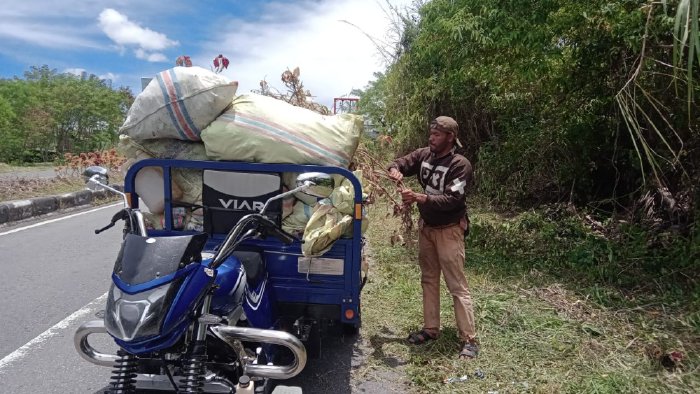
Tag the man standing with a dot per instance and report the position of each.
(444, 176)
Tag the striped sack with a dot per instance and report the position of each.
(178, 103)
(266, 130)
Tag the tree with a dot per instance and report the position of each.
(20, 97)
(372, 103)
(56, 113)
(556, 99)
(8, 138)
(87, 115)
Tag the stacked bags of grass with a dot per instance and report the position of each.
(192, 113)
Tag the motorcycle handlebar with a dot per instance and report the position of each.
(283, 236)
(233, 238)
(121, 215)
(107, 227)
(134, 218)
(276, 231)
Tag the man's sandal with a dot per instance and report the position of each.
(469, 350)
(420, 337)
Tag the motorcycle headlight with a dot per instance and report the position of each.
(134, 316)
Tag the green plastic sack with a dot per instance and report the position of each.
(296, 222)
(333, 220)
(266, 130)
(325, 226)
(343, 196)
(343, 199)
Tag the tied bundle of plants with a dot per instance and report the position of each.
(295, 94)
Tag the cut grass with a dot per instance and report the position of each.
(538, 332)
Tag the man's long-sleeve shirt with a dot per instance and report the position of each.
(445, 181)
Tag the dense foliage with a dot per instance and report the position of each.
(48, 113)
(557, 100)
(585, 107)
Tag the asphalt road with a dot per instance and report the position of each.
(54, 277)
(51, 275)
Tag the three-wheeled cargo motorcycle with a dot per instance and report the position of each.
(234, 305)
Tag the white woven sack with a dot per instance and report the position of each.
(178, 103)
(266, 130)
(188, 180)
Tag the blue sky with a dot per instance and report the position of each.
(124, 40)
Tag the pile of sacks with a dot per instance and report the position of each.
(192, 113)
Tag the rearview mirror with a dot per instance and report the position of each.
(95, 177)
(318, 184)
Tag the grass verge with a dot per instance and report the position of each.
(22, 185)
(5, 168)
(541, 330)
(21, 188)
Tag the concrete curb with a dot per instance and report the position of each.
(13, 211)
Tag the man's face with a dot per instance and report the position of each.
(439, 141)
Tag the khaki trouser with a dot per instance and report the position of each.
(442, 249)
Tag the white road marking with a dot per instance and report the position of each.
(57, 219)
(44, 336)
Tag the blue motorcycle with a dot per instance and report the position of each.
(215, 311)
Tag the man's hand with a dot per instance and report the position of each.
(408, 196)
(395, 174)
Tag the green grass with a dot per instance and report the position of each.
(19, 186)
(22, 188)
(541, 330)
(4, 168)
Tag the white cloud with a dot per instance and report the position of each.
(124, 33)
(44, 36)
(111, 76)
(151, 57)
(334, 57)
(65, 24)
(75, 71)
(79, 72)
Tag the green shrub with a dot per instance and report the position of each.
(566, 244)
